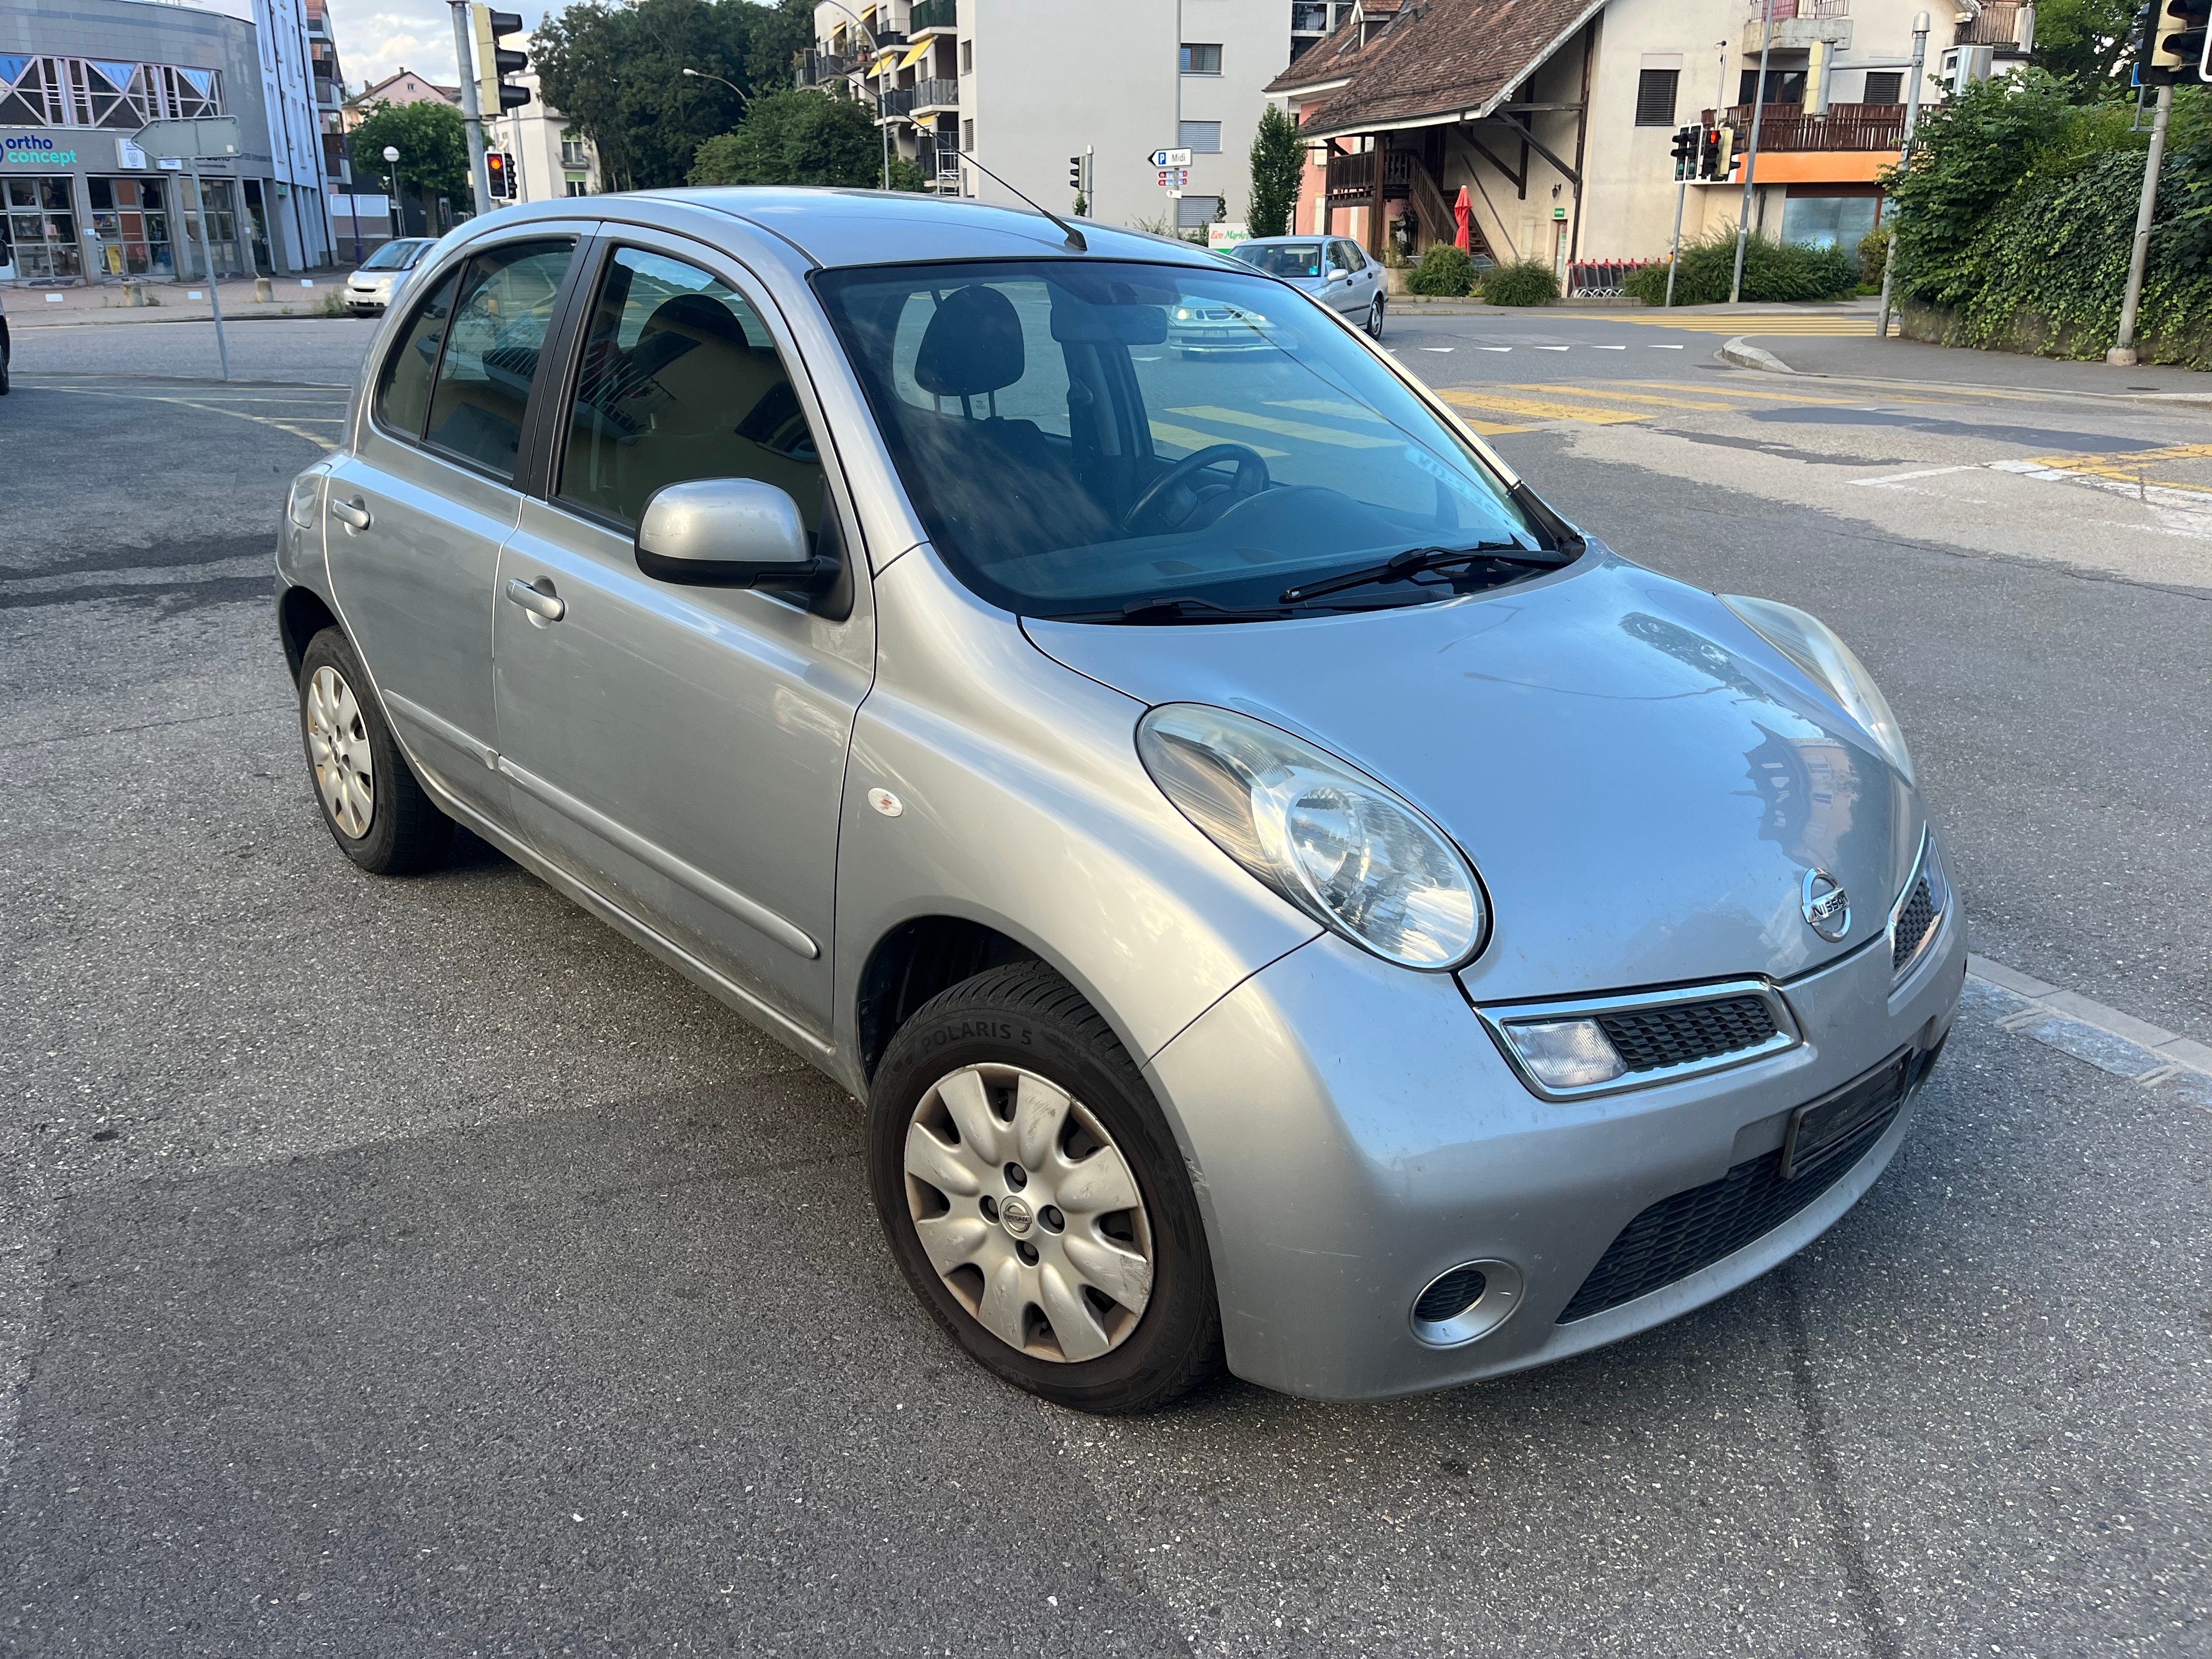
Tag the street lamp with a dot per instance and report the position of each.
(391, 183)
(880, 121)
(700, 74)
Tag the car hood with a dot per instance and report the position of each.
(1642, 781)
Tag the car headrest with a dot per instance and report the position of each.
(972, 345)
(695, 314)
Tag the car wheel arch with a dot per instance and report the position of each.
(301, 614)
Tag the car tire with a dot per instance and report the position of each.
(371, 803)
(3, 373)
(1375, 318)
(1013, 1065)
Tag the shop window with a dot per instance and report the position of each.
(42, 227)
(1829, 220)
(131, 227)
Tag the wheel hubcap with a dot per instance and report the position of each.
(337, 749)
(1027, 1212)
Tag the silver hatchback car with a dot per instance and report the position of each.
(1285, 895)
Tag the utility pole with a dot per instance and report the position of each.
(1751, 156)
(2123, 355)
(471, 107)
(1917, 69)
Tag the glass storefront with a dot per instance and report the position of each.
(221, 229)
(131, 227)
(41, 230)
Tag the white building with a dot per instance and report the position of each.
(1023, 86)
(550, 160)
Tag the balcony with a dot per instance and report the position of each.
(1796, 24)
(1995, 24)
(937, 93)
(929, 17)
(821, 68)
(899, 101)
(1351, 178)
(1784, 127)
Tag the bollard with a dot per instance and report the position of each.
(263, 292)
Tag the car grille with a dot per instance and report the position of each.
(1679, 1033)
(1913, 923)
(1676, 1236)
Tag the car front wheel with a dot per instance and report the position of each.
(372, 804)
(1375, 318)
(1033, 1196)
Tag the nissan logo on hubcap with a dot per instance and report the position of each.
(1828, 905)
(1016, 1217)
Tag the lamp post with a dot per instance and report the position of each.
(701, 75)
(881, 123)
(391, 184)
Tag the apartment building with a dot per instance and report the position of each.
(1557, 116)
(1021, 86)
(552, 159)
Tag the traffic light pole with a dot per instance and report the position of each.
(2123, 354)
(1681, 195)
(1917, 70)
(1751, 157)
(471, 107)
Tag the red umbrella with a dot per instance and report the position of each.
(1464, 211)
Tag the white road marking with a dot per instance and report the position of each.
(1551, 347)
(1899, 477)
(1494, 348)
(1435, 347)
(1608, 348)
(1666, 348)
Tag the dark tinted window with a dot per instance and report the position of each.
(499, 328)
(1284, 258)
(403, 389)
(681, 380)
(1884, 87)
(1654, 97)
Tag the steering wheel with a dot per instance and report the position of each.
(1251, 478)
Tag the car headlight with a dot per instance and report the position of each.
(1566, 1054)
(1326, 837)
(1815, 647)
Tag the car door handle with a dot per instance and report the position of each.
(352, 515)
(536, 602)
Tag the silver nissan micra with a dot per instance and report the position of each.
(1287, 898)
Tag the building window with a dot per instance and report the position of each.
(1885, 87)
(1310, 17)
(1192, 212)
(577, 187)
(1783, 86)
(573, 152)
(80, 92)
(1201, 60)
(967, 57)
(1654, 97)
(968, 136)
(1203, 137)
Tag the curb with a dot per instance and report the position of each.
(2105, 1037)
(1740, 352)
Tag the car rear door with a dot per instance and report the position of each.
(419, 504)
(680, 749)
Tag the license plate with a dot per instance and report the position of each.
(1822, 1125)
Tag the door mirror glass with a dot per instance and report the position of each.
(728, 532)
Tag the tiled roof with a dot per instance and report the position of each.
(1437, 57)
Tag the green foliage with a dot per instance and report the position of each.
(433, 151)
(1445, 270)
(800, 137)
(1873, 256)
(616, 72)
(1522, 282)
(1278, 161)
(1772, 271)
(2085, 41)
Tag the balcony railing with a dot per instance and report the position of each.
(1785, 11)
(1351, 178)
(1998, 25)
(821, 68)
(929, 15)
(899, 101)
(1845, 126)
(938, 92)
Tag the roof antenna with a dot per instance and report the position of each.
(1074, 236)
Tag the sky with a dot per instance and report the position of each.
(379, 37)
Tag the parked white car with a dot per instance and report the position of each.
(383, 274)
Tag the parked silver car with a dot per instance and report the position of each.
(370, 289)
(1284, 893)
(1334, 269)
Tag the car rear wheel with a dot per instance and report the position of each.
(1034, 1197)
(1375, 318)
(372, 804)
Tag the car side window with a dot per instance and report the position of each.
(1355, 257)
(403, 384)
(500, 318)
(1340, 256)
(680, 380)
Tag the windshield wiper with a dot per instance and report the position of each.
(1414, 561)
(1180, 607)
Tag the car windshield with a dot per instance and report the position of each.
(1282, 258)
(394, 256)
(1082, 435)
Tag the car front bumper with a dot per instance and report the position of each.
(368, 299)
(1355, 1132)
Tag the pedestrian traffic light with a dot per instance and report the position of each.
(498, 169)
(494, 62)
(1685, 153)
(2175, 42)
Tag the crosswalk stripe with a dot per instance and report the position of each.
(1615, 394)
(1542, 410)
(1302, 429)
(1764, 395)
(1190, 438)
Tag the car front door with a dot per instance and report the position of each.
(680, 749)
(420, 505)
(1357, 291)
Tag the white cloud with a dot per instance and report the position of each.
(379, 38)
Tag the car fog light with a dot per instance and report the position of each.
(1567, 1054)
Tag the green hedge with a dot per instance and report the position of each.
(1523, 283)
(1445, 270)
(1772, 271)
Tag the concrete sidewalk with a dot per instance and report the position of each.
(108, 303)
(1914, 360)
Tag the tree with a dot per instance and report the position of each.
(2086, 41)
(433, 151)
(799, 138)
(1279, 165)
(617, 73)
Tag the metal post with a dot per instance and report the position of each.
(207, 253)
(1904, 160)
(1751, 155)
(471, 108)
(2123, 355)
(1681, 195)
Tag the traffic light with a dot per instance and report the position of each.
(1685, 153)
(494, 62)
(500, 169)
(2177, 42)
(1075, 173)
(1726, 160)
(1709, 152)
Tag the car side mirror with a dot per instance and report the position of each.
(1338, 273)
(729, 533)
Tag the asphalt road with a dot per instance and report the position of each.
(415, 1268)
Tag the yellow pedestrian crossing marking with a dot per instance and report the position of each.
(1184, 437)
(1537, 408)
(1613, 393)
(1613, 403)
(1302, 429)
(2127, 466)
(1766, 395)
(1335, 406)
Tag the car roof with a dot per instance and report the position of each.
(834, 227)
(1270, 241)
